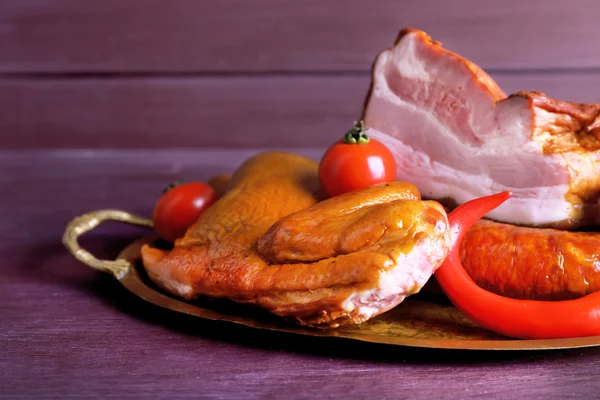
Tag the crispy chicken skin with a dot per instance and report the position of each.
(270, 242)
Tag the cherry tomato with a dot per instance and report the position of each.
(179, 207)
(356, 162)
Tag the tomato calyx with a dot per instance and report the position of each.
(357, 135)
(171, 185)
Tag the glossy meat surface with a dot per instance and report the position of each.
(269, 242)
(457, 136)
(530, 263)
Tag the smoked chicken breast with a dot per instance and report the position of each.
(456, 135)
(269, 241)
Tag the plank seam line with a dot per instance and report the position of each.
(259, 74)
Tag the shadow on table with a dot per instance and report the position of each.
(52, 266)
(107, 288)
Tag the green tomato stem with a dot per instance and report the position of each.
(357, 135)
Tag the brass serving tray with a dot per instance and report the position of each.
(417, 322)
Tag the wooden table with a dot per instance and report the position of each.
(67, 331)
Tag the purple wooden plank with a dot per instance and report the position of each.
(210, 112)
(66, 331)
(224, 112)
(238, 35)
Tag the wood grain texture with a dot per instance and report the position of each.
(279, 35)
(69, 332)
(259, 111)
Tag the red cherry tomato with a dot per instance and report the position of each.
(356, 162)
(178, 208)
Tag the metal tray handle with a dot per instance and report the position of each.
(87, 222)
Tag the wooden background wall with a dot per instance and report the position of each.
(250, 73)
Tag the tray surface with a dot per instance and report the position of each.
(420, 321)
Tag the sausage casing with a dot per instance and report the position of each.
(532, 263)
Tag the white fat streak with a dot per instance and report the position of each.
(172, 284)
(408, 275)
(541, 205)
(405, 58)
(181, 288)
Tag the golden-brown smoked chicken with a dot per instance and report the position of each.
(270, 242)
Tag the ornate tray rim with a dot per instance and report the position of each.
(125, 270)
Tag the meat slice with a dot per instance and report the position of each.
(456, 136)
(269, 242)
